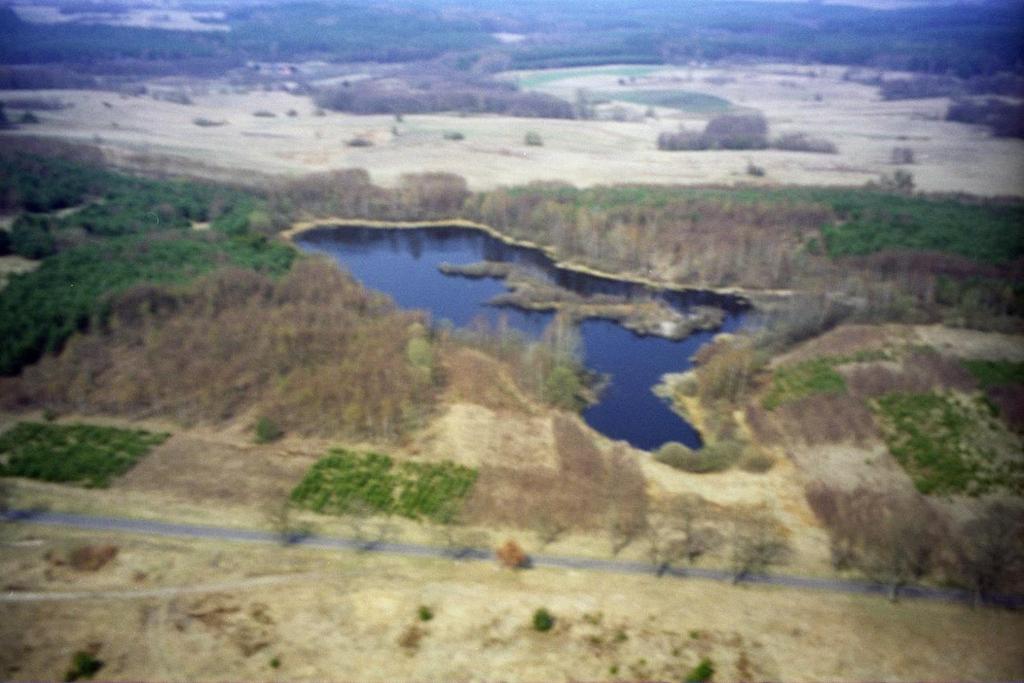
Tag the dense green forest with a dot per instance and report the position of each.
(131, 230)
(962, 39)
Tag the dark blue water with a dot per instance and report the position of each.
(403, 264)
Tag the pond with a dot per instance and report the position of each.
(403, 263)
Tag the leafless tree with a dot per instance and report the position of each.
(757, 544)
(991, 549)
(368, 527)
(900, 544)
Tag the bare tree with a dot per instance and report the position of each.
(991, 549)
(676, 534)
(757, 544)
(281, 518)
(899, 546)
(459, 540)
(368, 528)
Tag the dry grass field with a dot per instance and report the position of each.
(198, 610)
(951, 157)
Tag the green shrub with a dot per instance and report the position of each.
(77, 453)
(454, 135)
(83, 665)
(425, 613)
(267, 430)
(702, 672)
(533, 139)
(562, 387)
(756, 462)
(360, 142)
(713, 457)
(543, 621)
(275, 663)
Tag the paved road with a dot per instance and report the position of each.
(155, 528)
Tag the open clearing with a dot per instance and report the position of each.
(950, 156)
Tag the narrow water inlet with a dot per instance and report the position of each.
(403, 263)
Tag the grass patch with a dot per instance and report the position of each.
(995, 373)
(683, 100)
(83, 454)
(546, 77)
(951, 444)
(414, 490)
(805, 379)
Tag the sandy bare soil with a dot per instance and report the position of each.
(345, 616)
(950, 156)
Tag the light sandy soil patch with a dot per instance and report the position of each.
(951, 156)
(972, 343)
(14, 265)
(349, 616)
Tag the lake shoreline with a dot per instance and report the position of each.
(744, 297)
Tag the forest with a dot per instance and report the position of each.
(966, 40)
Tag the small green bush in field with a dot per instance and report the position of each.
(425, 613)
(543, 621)
(702, 672)
(267, 431)
(533, 139)
(83, 665)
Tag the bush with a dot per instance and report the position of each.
(713, 457)
(901, 156)
(264, 114)
(800, 142)
(533, 139)
(360, 142)
(757, 463)
(543, 621)
(204, 122)
(29, 118)
(511, 555)
(425, 613)
(702, 672)
(454, 135)
(30, 237)
(267, 431)
(755, 170)
(83, 665)
(794, 382)
(737, 131)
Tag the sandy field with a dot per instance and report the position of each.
(950, 156)
(196, 610)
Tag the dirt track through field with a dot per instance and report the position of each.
(474, 554)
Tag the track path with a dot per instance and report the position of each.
(155, 528)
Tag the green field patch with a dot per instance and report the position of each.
(996, 373)
(682, 100)
(540, 78)
(344, 480)
(805, 379)
(951, 444)
(82, 454)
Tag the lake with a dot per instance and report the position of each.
(403, 263)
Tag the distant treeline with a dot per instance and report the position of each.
(740, 131)
(966, 40)
(1004, 119)
(921, 87)
(371, 99)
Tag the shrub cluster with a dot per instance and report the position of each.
(84, 454)
(416, 490)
